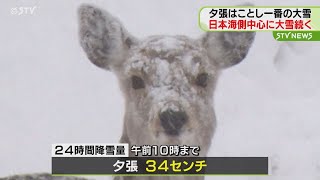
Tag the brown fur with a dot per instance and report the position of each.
(166, 72)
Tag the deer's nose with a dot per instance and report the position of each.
(172, 121)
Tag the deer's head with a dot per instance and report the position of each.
(168, 81)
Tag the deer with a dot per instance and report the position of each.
(167, 81)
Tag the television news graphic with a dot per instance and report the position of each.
(291, 23)
(165, 150)
(90, 150)
(162, 160)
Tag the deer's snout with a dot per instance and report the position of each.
(172, 121)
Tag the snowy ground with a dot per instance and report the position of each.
(49, 92)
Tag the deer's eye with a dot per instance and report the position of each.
(137, 82)
(202, 79)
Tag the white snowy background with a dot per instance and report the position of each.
(269, 105)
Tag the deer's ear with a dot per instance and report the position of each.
(102, 37)
(226, 49)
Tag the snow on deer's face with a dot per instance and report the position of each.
(167, 81)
